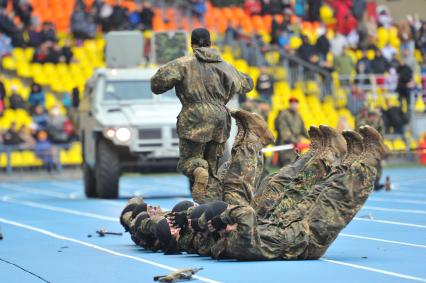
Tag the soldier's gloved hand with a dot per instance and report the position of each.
(217, 223)
(179, 219)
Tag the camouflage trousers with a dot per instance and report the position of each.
(313, 223)
(205, 155)
(281, 191)
(244, 172)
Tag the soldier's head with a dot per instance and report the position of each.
(195, 215)
(293, 103)
(200, 37)
(182, 206)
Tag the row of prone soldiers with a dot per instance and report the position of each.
(295, 213)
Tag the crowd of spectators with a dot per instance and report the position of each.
(20, 28)
(47, 130)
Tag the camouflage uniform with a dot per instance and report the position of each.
(291, 129)
(379, 125)
(204, 83)
(286, 187)
(306, 230)
(145, 233)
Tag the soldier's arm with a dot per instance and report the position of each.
(244, 217)
(166, 77)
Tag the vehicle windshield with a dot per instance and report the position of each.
(133, 91)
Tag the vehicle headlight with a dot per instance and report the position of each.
(123, 134)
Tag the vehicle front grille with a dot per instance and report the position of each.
(150, 134)
(174, 133)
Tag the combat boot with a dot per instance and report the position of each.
(255, 124)
(201, 178)
(374, 148)
(334, 144)
(355, 147)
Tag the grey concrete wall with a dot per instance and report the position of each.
(401, 8)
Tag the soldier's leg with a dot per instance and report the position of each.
(212, 153)
(274, 189)
(192, 157)
(244, 171)
(332, 204)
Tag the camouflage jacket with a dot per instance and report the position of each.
(204, 83)
(146, 233)
(290, 127)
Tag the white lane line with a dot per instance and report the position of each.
(96, 247)
(107, 218)
(414, 211)
(59, 209)
(398, 192)
(383, 240)
(391, 222)
(21, 189)
(390, 273)
(410, 201)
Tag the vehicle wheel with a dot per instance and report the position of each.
(107, 170)
(89, 181)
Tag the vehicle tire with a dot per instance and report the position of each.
(89, 181)
(107, 170)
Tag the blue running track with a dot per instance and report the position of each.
(46, 227)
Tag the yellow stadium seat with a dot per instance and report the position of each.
(420, 105)
(241, 65)
(23, 69)
(16, 159)
(382, 37)
(399, 144)
(9, 63)
(29, 53)
(327, 14)
(3, 160)
(295, 42)
(50, 100)
(19, 54)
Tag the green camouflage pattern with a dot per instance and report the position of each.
(245, 170)
(307, 229)
(291, 128)
(168, 46)
(204, 83)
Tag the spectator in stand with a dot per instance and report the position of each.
(394, 118)
(83, 24)
(40, 117)
(384, 18)
(379, 64)
(421, 39)
(299, 8)
(24, 10)
(1, 108)
(44, 150)
(66, 52)
(278, 26)
(55, 126)
(2, 92)
(41, 53)
(5, 45)
(405, 34)
(290, 128)
(306, 51)
(37, 97)
(389, 52)
(338, 44)
(26, 137)
(322, 45)
(344, 66)
(119, 18)
(15, 100)
(11, 136)
(405, 83)
(199, 9)
(34, 37)
(147, 16)
(253, 7)
(362, 79)
(48, 32)
(314, 10)
(366, 62)
(358, 9)
(408, 59)
(265, 85)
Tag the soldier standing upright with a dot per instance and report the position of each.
(204, 83)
